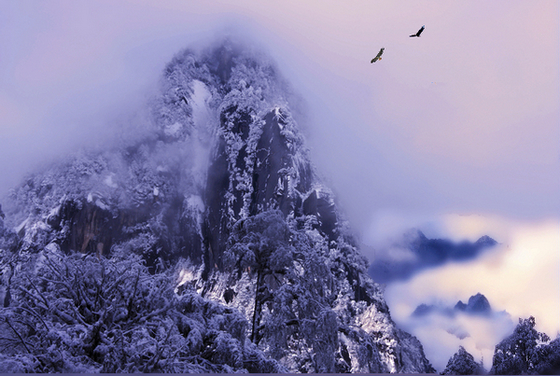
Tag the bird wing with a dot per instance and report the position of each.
(378, 55)
(418, 32)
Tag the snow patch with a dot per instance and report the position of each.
(378, 326)
(278, 116)
(199, 99)
(97, 199)
(194, 202)
(54, 212)
(185, 276)
(21, 226)
(101, 204)
(202, 131)
(52, 248)
(109, 181)
(173, 130)
(33, 231)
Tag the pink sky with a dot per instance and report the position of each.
(464, 118)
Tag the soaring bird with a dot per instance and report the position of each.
(419, 31)
(378, 57)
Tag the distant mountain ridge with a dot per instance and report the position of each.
(477, 305)
(416, 252)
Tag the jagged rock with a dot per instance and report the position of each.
(223, 189)
(460, 306)
(477, 305)
(424, 309)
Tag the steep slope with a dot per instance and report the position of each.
(222, 191)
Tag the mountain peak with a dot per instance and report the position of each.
(478, 304)
(221, 196)
(486, 241)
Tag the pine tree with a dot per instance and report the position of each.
(523, 352)
(87, 314)
(463, 363)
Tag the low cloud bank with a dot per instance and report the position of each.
(519, 275)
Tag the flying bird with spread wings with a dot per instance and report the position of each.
(419, 32)
(378, 57)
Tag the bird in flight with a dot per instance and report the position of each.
(419, 32)
(378, 57)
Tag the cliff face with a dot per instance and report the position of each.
(223, 180)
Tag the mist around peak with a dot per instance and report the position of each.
(414, 252)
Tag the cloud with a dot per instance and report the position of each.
(438, 334)
(520, 276)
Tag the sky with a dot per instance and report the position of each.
(455, 133)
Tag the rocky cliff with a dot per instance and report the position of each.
(221, 195)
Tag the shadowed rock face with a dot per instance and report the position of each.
(478, 304)
(224, 180)
(91, 229)
(262, 185)
(262, 177)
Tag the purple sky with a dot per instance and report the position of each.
(456, 132)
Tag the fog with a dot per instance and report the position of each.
(455, 133)
(520, 276)
(439, 336)
(463, 119)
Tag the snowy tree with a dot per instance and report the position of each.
(550, 361)
(86, 314)
(463, 363)
(523, 352)
(69, 313)
(260, 244)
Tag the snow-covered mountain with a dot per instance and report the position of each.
(220, 197)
